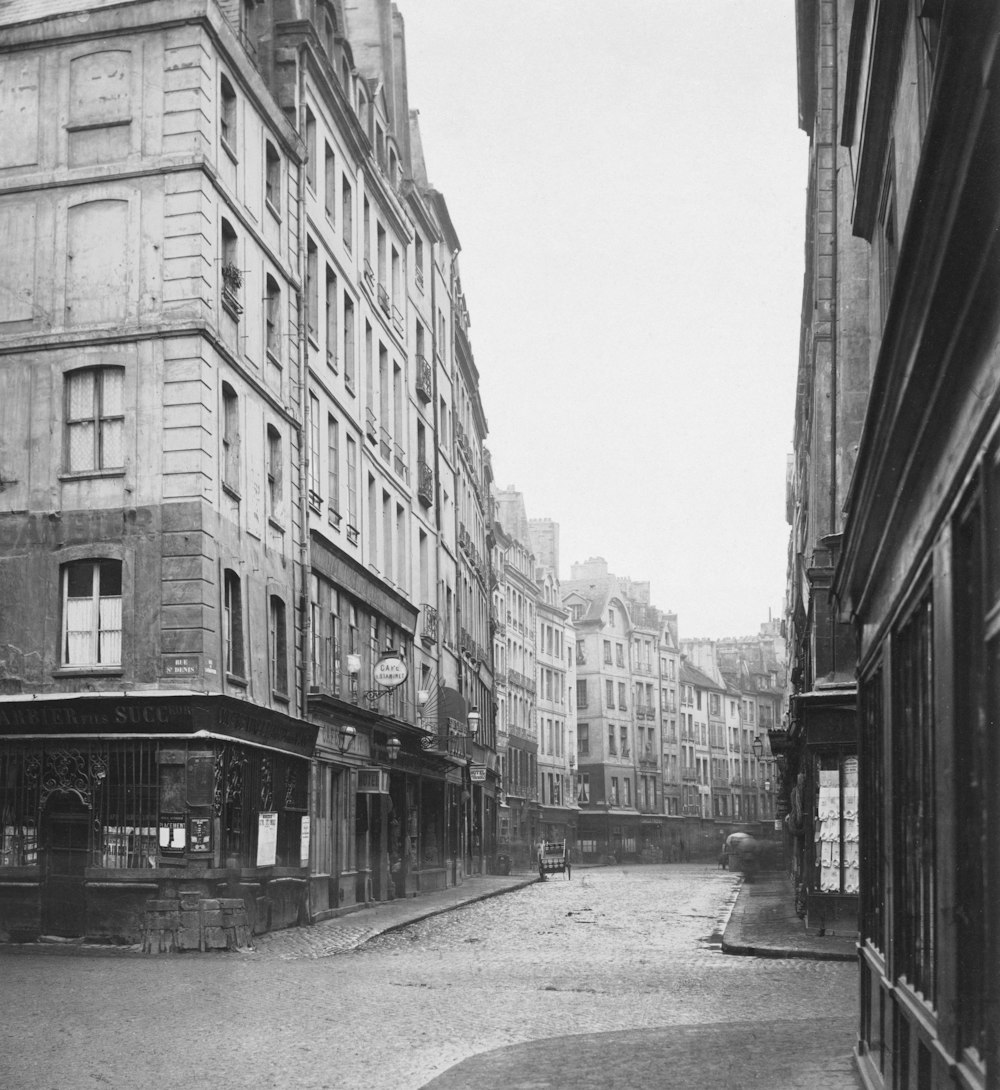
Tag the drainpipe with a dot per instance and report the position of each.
(304, 462)
(304, 394)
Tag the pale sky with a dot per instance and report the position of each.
(628, 183)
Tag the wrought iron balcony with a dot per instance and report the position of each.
(425, 380)
(425, 483)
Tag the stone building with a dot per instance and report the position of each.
(918, 569)
(250, 572)
(832, 388)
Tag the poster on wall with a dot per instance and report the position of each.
(267, 838)
(304, 843)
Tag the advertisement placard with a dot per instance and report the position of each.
(267, 838)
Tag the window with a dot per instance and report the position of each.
(273, 472)
(583, 739)
(607, 652)
(272, 177)
(352, 483)
(95, 419)
(348, 355)
(611, 618)
(232, 274)
(230, 439)
(227, 113)
(310, 148)
(612, 745)
(330, 321)
(418, 261)
(621, 695)
(619, 655)
(614, 790)
(233, 625)
(329, 182)
(315, 499)
(609, 693)
(886, 240)
(628, 791)
(583, 787)
(92, 613)
(279, 651)
(333, 469)
(312, 290)
(623, 733)
(272, 317)
(347, 214)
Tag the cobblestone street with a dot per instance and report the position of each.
(515, 986)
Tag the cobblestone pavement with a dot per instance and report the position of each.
(613, 977)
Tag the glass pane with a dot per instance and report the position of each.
(112, 444)
(111, 578)
(81, 445)
(80, 580)
(79, 631)
(80, 395)
(112, 386)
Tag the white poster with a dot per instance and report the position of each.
(267, 838)
(304, 842)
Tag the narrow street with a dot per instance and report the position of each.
(614, 977)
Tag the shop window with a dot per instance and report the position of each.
(95, 419)
(92, 613)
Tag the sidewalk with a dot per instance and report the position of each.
(338, 935)
(763, 923)
(344, 933)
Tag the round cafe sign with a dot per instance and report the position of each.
(390, 671)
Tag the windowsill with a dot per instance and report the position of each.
(272, 208)
(349, 386)
(331, 362)
(282, 698)
(228, 149)
(273, 358)
(313, 338)
(95, 670)
(119, 123)
(231, 492)
(275, 524)
(235, 679)
(91, 474)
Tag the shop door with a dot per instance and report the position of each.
(65, 854)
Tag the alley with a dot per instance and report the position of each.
(604, 979)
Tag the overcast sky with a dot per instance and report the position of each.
(628, 183)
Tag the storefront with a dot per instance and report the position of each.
(822, 818)
(117, 809)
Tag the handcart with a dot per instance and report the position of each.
(553, 858)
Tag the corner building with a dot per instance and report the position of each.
(150, 739)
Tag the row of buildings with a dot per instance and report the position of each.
(271, 643)
(894, 504)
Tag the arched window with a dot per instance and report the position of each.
(230, 439)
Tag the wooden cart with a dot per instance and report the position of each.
(553, 858)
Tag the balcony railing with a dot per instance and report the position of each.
(371, 425)
(397, 320)
(383, 299)
(425, 483)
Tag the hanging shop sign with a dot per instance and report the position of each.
(373, 781)
(477, 773)
(390, 671)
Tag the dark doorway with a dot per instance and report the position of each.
(65, 842)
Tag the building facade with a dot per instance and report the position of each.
(251, 571)
(919, 563)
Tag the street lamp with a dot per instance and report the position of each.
(345, 737)
(393, 747)
(473, 719)
(758, 747)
